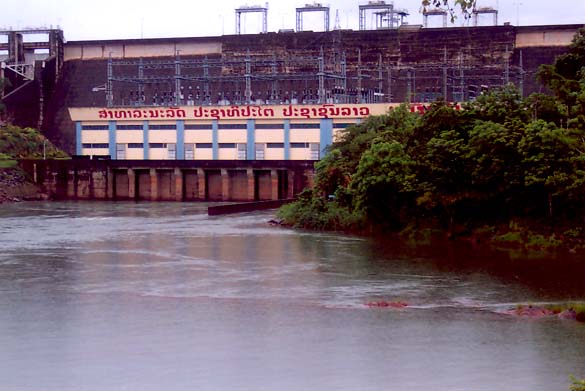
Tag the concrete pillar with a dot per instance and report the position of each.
(131, 184)
(84, 184)
(110, 185)
(99, 184)
(290, 193)
(274, 184)
(51, 182)
(50, 179)
(251, 184)
(225, 185)
(71, 183)
(201, 185)
(178, 184)
(153, 184)
(16, 46)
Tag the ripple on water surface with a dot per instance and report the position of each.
(140, 290)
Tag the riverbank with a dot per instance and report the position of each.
(15, 186)
(519, 235)
(22, 143)
(522, 235)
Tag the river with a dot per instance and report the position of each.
(98, 296)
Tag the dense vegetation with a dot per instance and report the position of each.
(501, 161)
(25, 143)
(16, 143)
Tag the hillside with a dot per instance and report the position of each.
(18, 143)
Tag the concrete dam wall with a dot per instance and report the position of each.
(84, 179)
(379, 66)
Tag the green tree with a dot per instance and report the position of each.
(465, 6)
(501, 157)
(546, 107)
(337, 167)
(385, 183)
(499, 106)
(548, 159)
(566, 79)
(496, 162)
(577, 385)
(496, 172)
(26, 143)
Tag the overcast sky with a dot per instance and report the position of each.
(120, 19)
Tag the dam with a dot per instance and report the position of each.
(373, 69)
(244, 116)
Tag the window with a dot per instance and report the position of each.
(157, 145)
(103, 146)
(275, 145)
(189, 151)
(135, 145)
(227, 145)
(270, 126)
(95, 127)
(129, 127)
(299, 145)
(120, 151)
(172, 151)
(305, 126)
(198, 127)
(342, 126)
(162, 127)
(203, 145)
(259, 149)
(242, 152)
(232, 126)
(314, 151)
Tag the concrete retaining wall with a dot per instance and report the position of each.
(85, 179)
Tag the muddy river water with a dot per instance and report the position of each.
(159, 296)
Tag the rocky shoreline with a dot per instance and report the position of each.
(15, 186)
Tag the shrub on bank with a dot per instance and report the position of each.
(578, 385)
(26, 143)
(319, 214)
(502, 158)
(6, 161)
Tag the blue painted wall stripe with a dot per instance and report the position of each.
(326, 135)
(251, 140)
(145, 139)
(112, 139)
(214, 139)
(180, 139)
(79, 144)
(287, 139)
